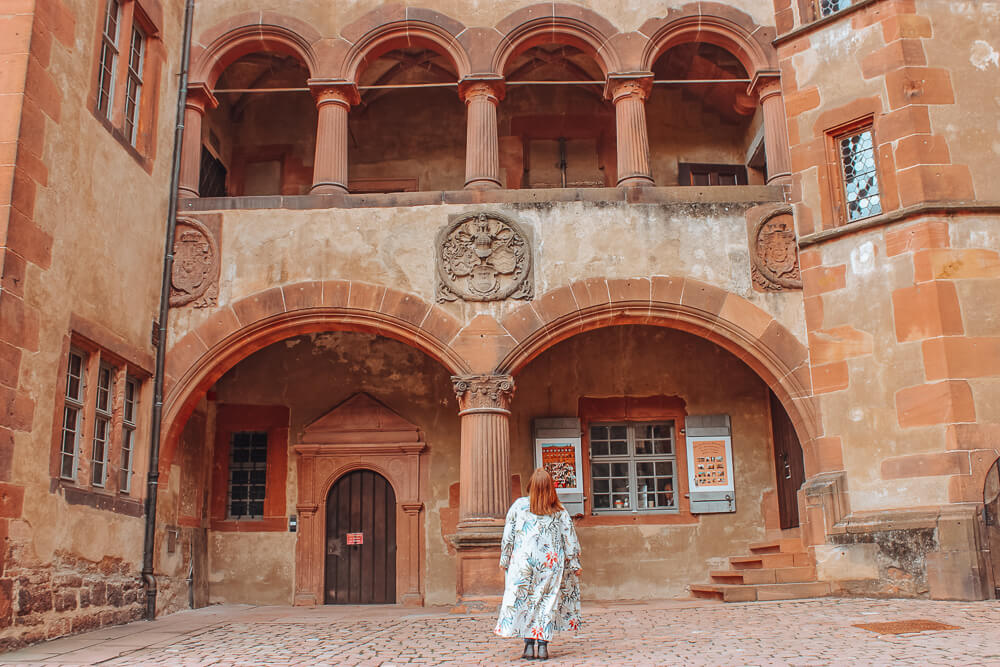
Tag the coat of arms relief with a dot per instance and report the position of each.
(774, 255)
(194, 278)
(483, 256)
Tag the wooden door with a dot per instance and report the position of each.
(991, 505)
(361, 540)
(788, 465)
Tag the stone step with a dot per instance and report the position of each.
(782, 545)
(760, 592)
(761, 561)
(781, 575)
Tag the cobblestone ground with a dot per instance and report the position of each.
(804, 632)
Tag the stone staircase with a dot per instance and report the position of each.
(775, 570)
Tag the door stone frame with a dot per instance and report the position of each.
(359, 434)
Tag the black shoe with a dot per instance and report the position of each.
(529, 649)
(543, 650)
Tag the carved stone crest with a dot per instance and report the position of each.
(774, 252)
(194, 278)
(483, 257)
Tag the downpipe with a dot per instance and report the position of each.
(153, 475)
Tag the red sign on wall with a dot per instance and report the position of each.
(355, 538)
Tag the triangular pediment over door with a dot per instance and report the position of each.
(361, 419)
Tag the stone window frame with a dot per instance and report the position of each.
(81, 488)
(231, 418)
(632, 459)
(138, 136)
(835, 169)
(636, 409)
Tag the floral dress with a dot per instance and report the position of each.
(541, 555)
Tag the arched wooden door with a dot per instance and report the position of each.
(788, 465)
(361, 540)
(991, 506)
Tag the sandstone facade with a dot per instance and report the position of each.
(652, 216)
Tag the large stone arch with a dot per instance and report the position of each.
(375, 34)
(223, 44)
(723, 26)
(557, 23)
(233, 332)
(724, 318)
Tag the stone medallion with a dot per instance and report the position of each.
(774, 252)
(194, 278)
(483, 257)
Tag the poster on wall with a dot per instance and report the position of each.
(710, 466)
(561, 458)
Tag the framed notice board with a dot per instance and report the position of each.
(561, 458)
(711, 485)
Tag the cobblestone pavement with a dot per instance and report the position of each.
(673, 632)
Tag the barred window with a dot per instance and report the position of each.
(247, 474)
(128, 434)
(102, 425)
(109, 57)
(72, 415)
(133, 86)
(633, 467)
(861, 188)
(828, 7)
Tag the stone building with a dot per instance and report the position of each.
(730, 269)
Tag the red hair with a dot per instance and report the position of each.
(542, 492)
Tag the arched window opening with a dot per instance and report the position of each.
(704, 133)
(405, 139)
(255, 142)
(561, 133)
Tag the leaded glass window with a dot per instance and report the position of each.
(247, 474)
(102, 426)
(633, 467)
(828, 7)
(72, 415)
(861, 189)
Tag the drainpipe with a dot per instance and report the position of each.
(152, 477)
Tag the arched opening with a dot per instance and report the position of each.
(250, 473)
(257, 142)
(555, 128)
(702, 132)
(360, 537)
(408, 132)
(650, 403)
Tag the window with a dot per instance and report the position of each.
(102, 426)
(828, 7)
(633, 467)
(128, 433)
(133, 86)
(109, 58)
(711, 174)
(72, 415)
(860, 178)
(247, 474)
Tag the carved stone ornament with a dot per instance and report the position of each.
(194, 278)
(774, 252)
(483, 257)
(483, 392)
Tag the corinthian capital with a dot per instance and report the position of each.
(483, 393)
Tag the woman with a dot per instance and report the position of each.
(541, 555)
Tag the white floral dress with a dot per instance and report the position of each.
(541, 555)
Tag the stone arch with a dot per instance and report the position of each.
(374, 34)
(222, 45)
(725, 27)
(557, 23)
(724, 318)
(234, 332)
(348, 468)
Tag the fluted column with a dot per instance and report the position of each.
(629, 97)
(482, 148)
(484, 406)
(779, 163)
(333, 102)
(199, 100)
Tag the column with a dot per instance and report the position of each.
(199, 99)
(629, 97)
(484, 406)
(779, 163)
(482, 150)
(333, 102)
